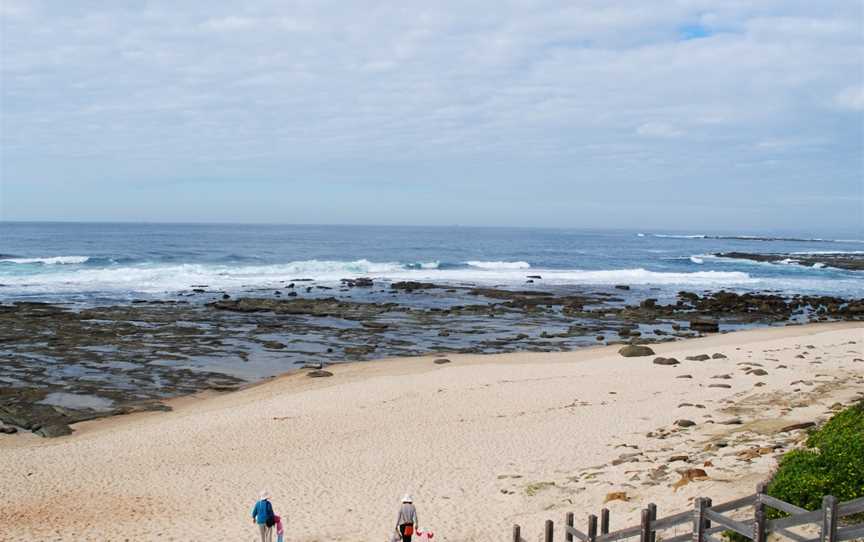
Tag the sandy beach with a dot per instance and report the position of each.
(482, 442)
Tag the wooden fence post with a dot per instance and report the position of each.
(604, 521)
(652, 516)
(592, 528)
(708, 504)
(568, 521)
(645, 526)
(550, 527)
(759, 534)
(829, 519)
(699, 520)
(517, 533)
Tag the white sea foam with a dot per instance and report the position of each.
(499, 265)
(697, 259)
(168, 279)
(53, 260)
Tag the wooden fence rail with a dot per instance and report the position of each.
(706, 522)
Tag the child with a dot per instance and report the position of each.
(279, 530)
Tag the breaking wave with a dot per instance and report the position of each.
(499, 265)
(163, 278)
(53, 260)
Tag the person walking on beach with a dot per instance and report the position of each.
(280, 530)
(263, 517)
(406, 521)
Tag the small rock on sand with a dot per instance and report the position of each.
(685, 423)
(700, 357)
(634, 350)
(690, 475)
(441, 361)
(794, 426)
(616, 496)
(666, 361)
(319, 374)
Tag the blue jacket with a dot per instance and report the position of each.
(261, 511)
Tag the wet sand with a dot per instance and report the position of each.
(481, 442)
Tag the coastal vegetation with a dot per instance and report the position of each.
(832, 463)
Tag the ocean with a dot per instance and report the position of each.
(115, 263)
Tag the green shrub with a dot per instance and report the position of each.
(833, 464)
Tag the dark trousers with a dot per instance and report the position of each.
(405, 537)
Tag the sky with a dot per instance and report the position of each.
(688, 114)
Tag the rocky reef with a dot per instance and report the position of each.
(63, 364)
(838, 260)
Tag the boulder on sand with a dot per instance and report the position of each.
(635, 350)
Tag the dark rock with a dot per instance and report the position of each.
(633, 350)
(684, 376)
(7, 430)
(718, 355)
(274, 345)
(359, 350)
(666, 361)
(757, 372)
(410, 286)
(704, 325)
(534, 277)
(733, 421)
(319, 374)
(55, 430)
(441, 361)
(622, 287)
(719, 386)
(360, 282)
(700, 357)
(685, 423)
(796, 426)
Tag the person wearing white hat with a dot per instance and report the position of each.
(263, 516)
(406, 521)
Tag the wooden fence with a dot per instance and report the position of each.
(706, 522)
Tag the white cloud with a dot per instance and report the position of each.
(594, 86)
(851, 98)
(229, 24)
